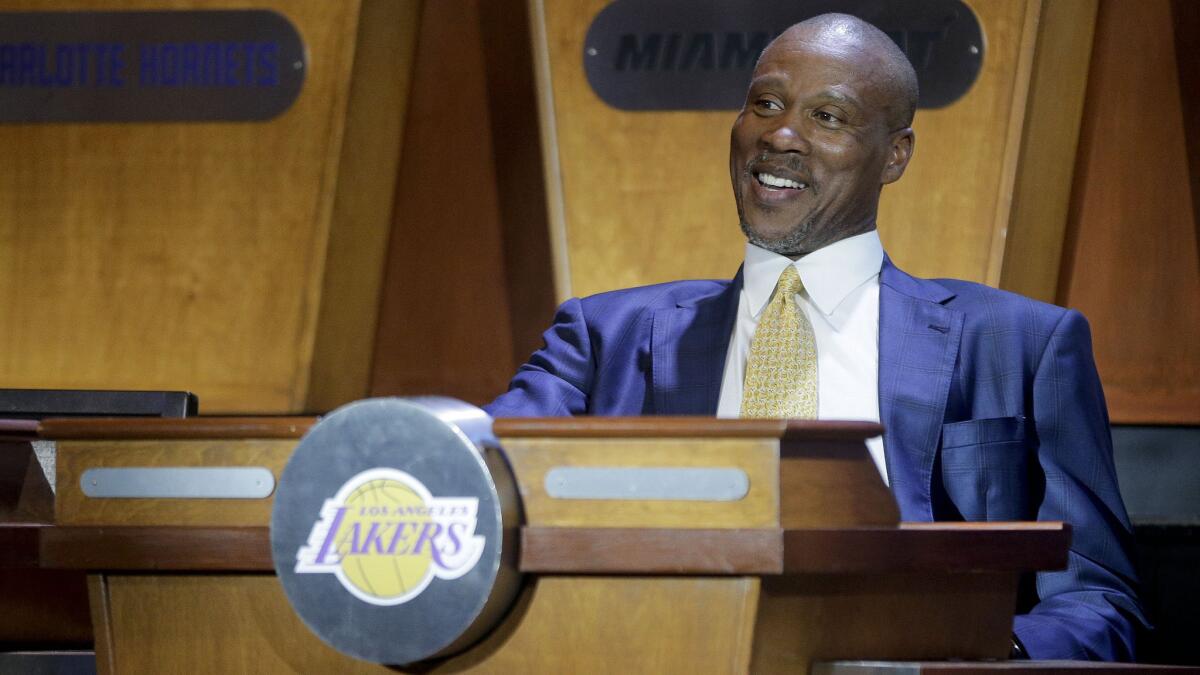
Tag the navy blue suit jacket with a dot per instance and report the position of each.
(991, 406)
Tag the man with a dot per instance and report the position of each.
(991, 404)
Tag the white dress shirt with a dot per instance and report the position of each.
(841, 299)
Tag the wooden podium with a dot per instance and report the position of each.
(807, 563)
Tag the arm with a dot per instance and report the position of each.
(1090, 609)
(557, 378)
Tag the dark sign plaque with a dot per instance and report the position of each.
(699, 54)
(235, 65)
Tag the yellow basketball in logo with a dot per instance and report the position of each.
(383, 522)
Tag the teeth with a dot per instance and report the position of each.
(776, 181)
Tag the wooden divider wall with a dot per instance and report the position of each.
(193, 256)
(645, 196)
(1132, 257)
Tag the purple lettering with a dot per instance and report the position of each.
(63, 65)
(329, 538)
(191, 64)
(452, 533)
(427, 536)
(8, 64)
(170, 64)
(375, 536)
(229, 62)
(397, 536)
(116, 65)
(268, 65)
(148, 66)
(28, 60)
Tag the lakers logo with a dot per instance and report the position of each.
(385, 537)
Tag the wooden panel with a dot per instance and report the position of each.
(25, 494)
(617, 550)
(531, 458)
(561, 624)
(832, 485)
(645, 196)
(175, 256)
(444, 325)
(986, 667)
(691, 427)
(521, 190)
(218, 549)
(19, 544)
(1133, 256)
(957, 188)
(44, 608)
(923, 547)
(875, 617)
(127, 428)
(362, 207)
(1185, 16)
(72, 507)
(101, 610)
(1027, 258)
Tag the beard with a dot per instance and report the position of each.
(790, 244)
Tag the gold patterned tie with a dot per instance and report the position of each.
(781, 373)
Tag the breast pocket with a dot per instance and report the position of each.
(985, 468)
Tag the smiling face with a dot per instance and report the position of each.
(816, 140)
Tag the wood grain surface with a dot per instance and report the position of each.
(209, 549)
(692, 427)
(1028, 257)
(560, 624)
(645, 195)
(363, 204)
(1133, 255)
(444, 322)
(46, 608)
(25, 494)
(832, 485)
(130, 428)
(594, 549)
(582, 624)
(882, 617)
(176, 256)
(73, 507)
(532, 458)
(624, 550)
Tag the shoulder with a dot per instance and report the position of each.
(646, 299)
(1012, 327)
(985, 304)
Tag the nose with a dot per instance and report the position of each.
(786, 135)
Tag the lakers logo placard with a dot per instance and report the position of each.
(385, 537)
(393, 526)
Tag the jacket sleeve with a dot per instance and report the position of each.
(1090, 609)
(557, 379)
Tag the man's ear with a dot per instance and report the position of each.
(900, 151)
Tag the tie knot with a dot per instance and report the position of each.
(789, 282)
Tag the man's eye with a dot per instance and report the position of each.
(766, 104)
(826, 117)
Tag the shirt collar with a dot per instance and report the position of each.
(829, 274)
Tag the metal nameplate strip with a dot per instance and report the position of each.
(180, 482)
(704, 484)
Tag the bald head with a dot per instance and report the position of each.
(826, 124)
(893, 73)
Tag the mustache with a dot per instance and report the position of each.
(789, 163)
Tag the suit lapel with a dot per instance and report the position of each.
(918, 347)
(688, 346)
